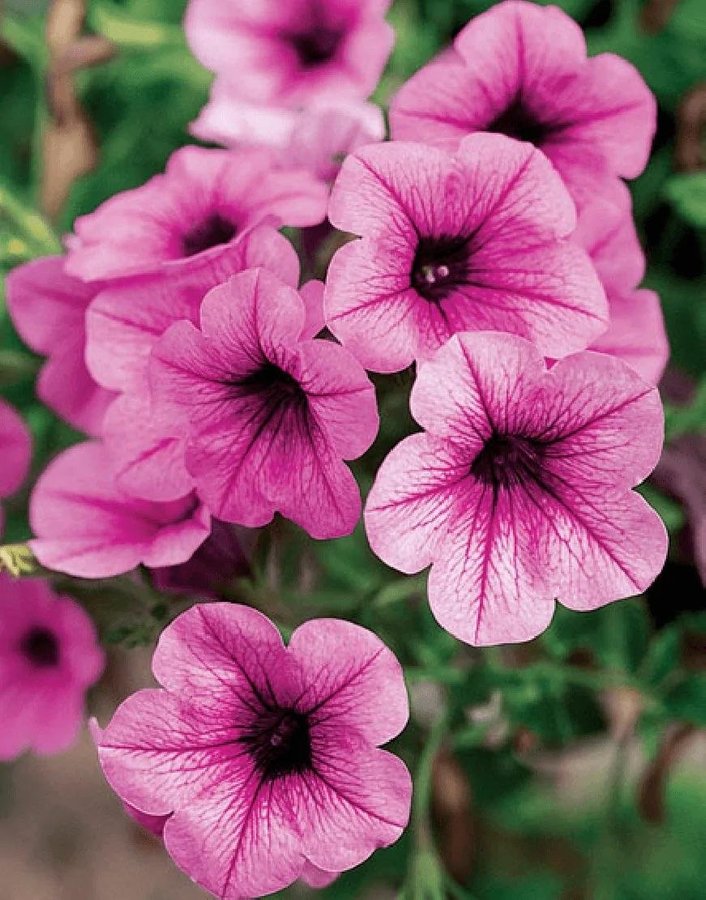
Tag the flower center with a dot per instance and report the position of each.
(441, 264)
(272, 383)
(508, 460)
(518, 122)
(316, 47)
(279, 743)
(212, 232)
(41, 648)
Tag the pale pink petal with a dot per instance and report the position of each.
(349, 811)
(636, 334)
(407, 509)
(614, 434)
(317, 878)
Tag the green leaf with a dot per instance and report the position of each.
(687, 193)
(687, 700)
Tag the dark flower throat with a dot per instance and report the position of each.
(41, 647)
(508, 461)
(316, 47)
(279, 743)
(441, 264)
(212, 232)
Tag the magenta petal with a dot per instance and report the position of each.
(146, 449)
(16, 449)
(125, 320)
(363, 691)
(521, 69)
(207, 641)
(206, 201)
(48, 309)
(317, 878)
(85, 526)
(271, 416)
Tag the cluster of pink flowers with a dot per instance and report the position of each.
(494, 250)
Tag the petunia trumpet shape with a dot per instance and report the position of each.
(519, 491)
(521, 69)
(15, 452)
(49, 657)
(475, 240)
(48, 309)
(87, 527)
(205, 200)
(264, 757)
(276, 54)
(270, 414)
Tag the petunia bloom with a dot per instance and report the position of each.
(264, 757)
(521, 69)
(290, 54)
(49, 657)
(87, 527)
(48, 309)
(518, 492)
(270, 414)
(316, 138)
(476, 240)
(205, 200)
(636, 331)
(15, 451)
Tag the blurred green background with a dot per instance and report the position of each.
(572, 767)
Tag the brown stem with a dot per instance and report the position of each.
(69, 147)
(690, 150)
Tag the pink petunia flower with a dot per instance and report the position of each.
(521, 70)
(48, 309)
(49, 657)
(147, 444)
(205, 200)
(271, 414)
(15, 451)
(87, 527)
(636, 331)
(289, 54)
(127, 318)
(519, 490)
(265, 757)
(478, 240)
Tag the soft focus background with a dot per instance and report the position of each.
(572, 767)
